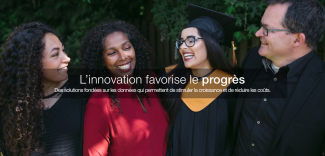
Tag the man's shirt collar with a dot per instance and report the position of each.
(295, 67)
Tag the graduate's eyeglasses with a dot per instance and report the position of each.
(266, 30)
(189, 42)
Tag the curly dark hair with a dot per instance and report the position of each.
(21, 89)
(93, 47)
(304, 16)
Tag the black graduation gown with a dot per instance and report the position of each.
(203, 133)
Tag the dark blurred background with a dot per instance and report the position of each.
(160, 21)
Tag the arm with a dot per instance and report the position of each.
(2, 148)
(1, 135)
(323, 147)
(96, 130)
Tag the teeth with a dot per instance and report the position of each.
(64, 68)
(264, 43)
(186, 55)
(125, 66)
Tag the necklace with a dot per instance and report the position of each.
(54, 93)
(199, 78)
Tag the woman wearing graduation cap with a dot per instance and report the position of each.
(199, 122)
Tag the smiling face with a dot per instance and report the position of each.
(119, 55)
(276, 45)
(194, 57)
(55, 60)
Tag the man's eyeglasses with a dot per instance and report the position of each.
(266, 30)
(189, 42)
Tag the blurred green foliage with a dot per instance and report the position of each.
(171, 15)
(71, 18)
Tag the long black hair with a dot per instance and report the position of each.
(93, 46)
(21, 89)
(217, 60)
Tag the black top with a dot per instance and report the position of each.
(301, 129)
(63, 124)
(203, 133)
(262, 111)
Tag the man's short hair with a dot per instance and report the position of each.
(304, 16)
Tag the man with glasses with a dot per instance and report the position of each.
(290, 119)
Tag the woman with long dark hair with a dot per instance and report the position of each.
(199, 121)
(36, 120)
(129, 123)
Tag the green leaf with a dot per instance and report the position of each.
(227, 2)
(262, 4)
(231, 9)
(239, 22)
(252, 29)
(61, 4)
(240, 4)
(239, 36)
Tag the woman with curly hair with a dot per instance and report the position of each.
(36, 120)
(121, 123)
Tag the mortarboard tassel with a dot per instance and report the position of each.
(234, 60)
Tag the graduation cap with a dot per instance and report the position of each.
(219, 25)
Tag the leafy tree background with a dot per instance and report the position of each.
(73, 18)
(171, 16)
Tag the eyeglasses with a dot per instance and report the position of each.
(189, 42)
(266, 30)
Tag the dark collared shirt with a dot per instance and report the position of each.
(262, 111)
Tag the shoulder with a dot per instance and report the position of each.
(316, 64)
(170, 68)
(152, 74)
(221, 73)
(73, 80)
(322, 70)
(252, 58)
(99, 99)
(253, 53)
(164, 72)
